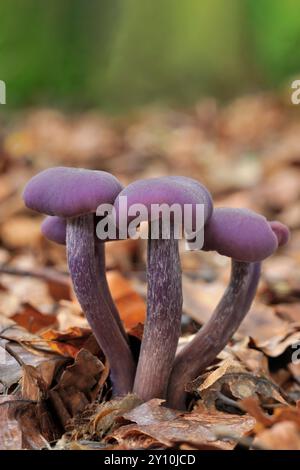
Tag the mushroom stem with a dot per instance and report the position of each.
(100, 255)
(84, 274)
(215, 334)
(162, 327)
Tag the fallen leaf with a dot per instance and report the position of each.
(262, 324)
(38, 428)
(79, 384)
(277, 344)
(10, 432)
(69, 315)
(282, 436)
(200, 299)
(227, 366)
(32, 320)
(169, 427)
(100, 419)
(151, 412)
(252, 359)
(131, 306)
(288, 312)
(281, 413)
(67, 343)
(21, 231)
(232, 375)
(23, 425)
(18, 355)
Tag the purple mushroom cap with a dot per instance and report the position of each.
(165, 190)
(243, 235)
(54, 228)
(70, 192)
(281, 231)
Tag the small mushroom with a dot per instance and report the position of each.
(74, 194)
(247, 238)
(164, 297)
(55, 229)
(281, 231)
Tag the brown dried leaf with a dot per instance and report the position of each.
(83, 374)
(282, 436)
(37, 426)
(24, 289)
(232, 376)
(32, 320)
(19, 357)
(21, 232)
(251, 405)
(200, 299)
(67, 343)
(158, 425)
(10, 432)
(151, 412)
(24, 425)
(59, 288)
(262, 323)
(276, 345)
(28, 341)
(78, 385)
(227, 366)
(100, 419)
(281, 413)
(131, 306)
(289, 312)
(252, 359)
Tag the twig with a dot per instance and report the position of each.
(229, 401)
(47, 274)
(18, 400)
(14, 355)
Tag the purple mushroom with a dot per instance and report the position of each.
(164, 298)
(55, 229)
(247, 238)
(74, 195)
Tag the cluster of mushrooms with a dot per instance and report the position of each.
(70, 197)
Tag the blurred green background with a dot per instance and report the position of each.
(118, 54)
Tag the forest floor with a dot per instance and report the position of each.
(54, 386)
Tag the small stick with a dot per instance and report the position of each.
(47, 274)
(18, 400)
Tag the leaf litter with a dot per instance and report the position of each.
(54, 380)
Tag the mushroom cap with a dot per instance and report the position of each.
(165, 190)
(281, 231)
(241, 234)
(70, 192)
(54, 228)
